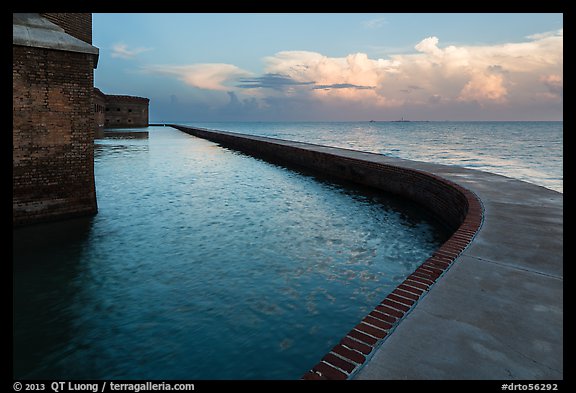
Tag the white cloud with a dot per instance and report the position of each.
(547, 34)
(375, 23)
(429, 46)
(483, 86)
(121, 50)
(516, 73)
(208, 76)
(490, 73)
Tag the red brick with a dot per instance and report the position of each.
(429, 270)
(395, 305)
(390, 311)
(406, 294)
(448, 254)
(423, 277)
(358, 346)
(449, 247)
(438, 262)
(414, 290)
(460, 238)
(414, 283)
(375, 332)
(402, 300)
(362, 337)
(467, 232)
(349, 354)
(338, 362)
(436, 270)
(377, 322)
(417, 276)
(329, 372)
(442, 257)
(383, 317)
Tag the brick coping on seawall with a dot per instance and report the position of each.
(345, 359)
(356, 348)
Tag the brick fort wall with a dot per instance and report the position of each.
(78, 25)
(53, 133)
(125, 111)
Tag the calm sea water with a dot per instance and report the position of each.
(529, 151)
(203, 263)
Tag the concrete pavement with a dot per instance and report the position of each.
(497, 313)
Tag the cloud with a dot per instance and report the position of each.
(484, 87)
(515, 73)
(121, 51)
(375, 23)
(343, 86)
(270, 81)
(547, 34)
(500, 77)
(354, 77)
(206, 76)
(429, 46)
(554, 84)
(281, 83)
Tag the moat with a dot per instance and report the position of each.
(203, 263)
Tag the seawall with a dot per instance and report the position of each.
(488, 304)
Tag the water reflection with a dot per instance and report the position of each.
(46, 287)
(205, 263)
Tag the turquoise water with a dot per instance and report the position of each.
(529, 151)
(203, 263)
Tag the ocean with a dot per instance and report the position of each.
(528, 151)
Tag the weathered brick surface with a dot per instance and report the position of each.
(349, 353)
(53, 134)
(125, 111)
(78, 25)
(114, 111)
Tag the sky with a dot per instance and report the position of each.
(335, 66)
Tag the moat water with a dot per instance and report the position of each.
(203, 263)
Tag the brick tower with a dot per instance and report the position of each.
(53, 117)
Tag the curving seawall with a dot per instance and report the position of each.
(496, 309)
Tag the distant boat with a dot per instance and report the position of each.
(401, 121)
(372, 121)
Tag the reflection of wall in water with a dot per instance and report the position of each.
(125, 134)
(48, 258)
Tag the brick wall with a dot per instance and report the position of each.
(99, 102)
(78, 25)
(126, 111)
(53, 133)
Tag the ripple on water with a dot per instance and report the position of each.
(205, 264)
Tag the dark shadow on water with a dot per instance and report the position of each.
(41, 319)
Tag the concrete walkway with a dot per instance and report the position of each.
(497, 313)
